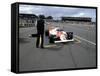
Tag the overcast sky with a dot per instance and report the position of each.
(57, 12)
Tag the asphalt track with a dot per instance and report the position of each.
(78, 54)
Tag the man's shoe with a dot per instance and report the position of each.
(42, 47)
(37, 47)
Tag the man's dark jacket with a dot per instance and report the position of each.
(40, 26)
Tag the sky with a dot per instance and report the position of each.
(58, 12)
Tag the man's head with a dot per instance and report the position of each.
(41, 16)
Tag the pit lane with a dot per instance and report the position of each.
(77, 54)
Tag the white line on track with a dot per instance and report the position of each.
(85, 40)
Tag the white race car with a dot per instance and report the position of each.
(57, 35)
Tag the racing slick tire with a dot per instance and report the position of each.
(47, 33)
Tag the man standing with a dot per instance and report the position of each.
(40, 32)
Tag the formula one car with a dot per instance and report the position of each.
(58, 35)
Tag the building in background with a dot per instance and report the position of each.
(77, 19)
(27, 20)
(83, 19)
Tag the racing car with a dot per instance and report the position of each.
(58, 35)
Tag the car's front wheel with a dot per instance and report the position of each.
(51, 40)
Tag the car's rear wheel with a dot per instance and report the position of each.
(47, 33)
